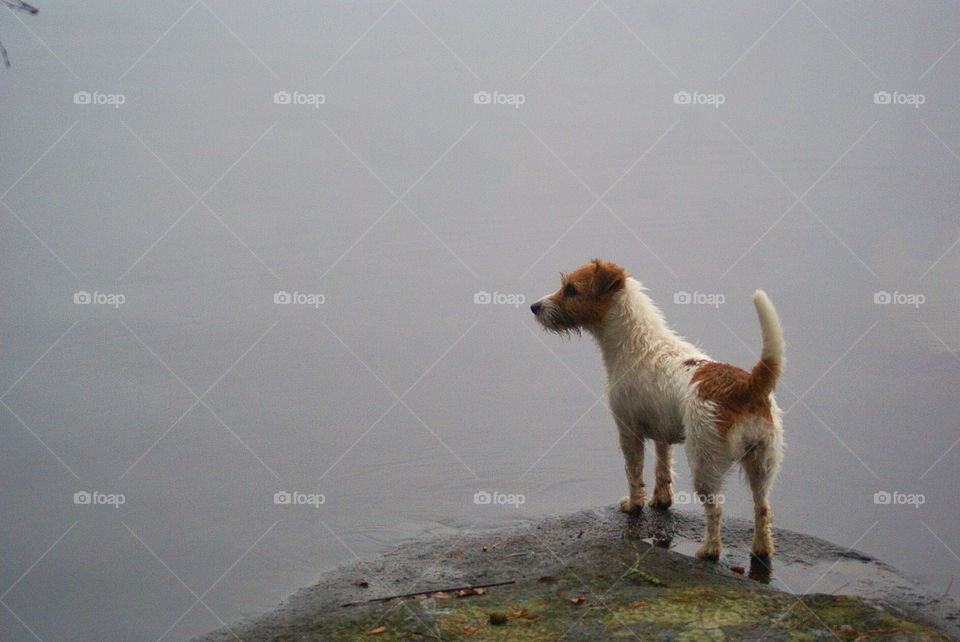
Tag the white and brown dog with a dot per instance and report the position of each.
(661, 387)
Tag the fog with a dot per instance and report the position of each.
(252, 249)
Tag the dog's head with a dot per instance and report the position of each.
(584, 297)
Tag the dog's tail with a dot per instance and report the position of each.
(763, 377)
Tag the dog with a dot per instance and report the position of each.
(663, 388)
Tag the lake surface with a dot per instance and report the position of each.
(409, 176)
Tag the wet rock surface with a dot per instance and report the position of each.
(599, 574)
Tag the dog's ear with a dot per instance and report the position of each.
(608, 277)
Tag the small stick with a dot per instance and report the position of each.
(446, 590)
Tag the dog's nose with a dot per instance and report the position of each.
(535, 308)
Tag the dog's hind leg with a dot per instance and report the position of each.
(663, 490)
(761, 469)
(707, 482)
(632, 446)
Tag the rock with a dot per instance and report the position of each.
(630, 584)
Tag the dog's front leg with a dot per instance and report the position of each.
(632, 446)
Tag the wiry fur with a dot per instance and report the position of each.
(661, 387)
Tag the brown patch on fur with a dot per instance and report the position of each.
(736, 392)
(695, 362)
(585, 295)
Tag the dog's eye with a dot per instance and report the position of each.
(570, 290)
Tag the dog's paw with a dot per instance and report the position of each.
(763, 549)
(627, 505)
(662, 499)
(709, 551)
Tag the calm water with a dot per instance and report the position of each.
(387, 199)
